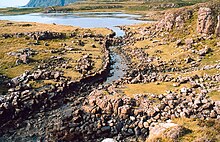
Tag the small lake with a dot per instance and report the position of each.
(84, 20)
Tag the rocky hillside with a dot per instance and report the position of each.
(204, 17)
(46, 3)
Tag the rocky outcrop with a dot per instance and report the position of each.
(174, 19)
(217, 31)
(207, 21)
(205, 24)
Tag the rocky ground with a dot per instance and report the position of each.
(170, 91)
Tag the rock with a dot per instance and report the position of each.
(213, 114)
(168, 130)
(15, 81)
(106, 129)
(158, 128)
(140, 124)
(176, 84)
(18, 62)
(204, 51)
(93, 46)
(137, 131)
(173, 19)
(182, 114)
(146, 125)
(37, 74)
(109, 140)
(189, 42)
(175, 132)
(217, 31)
(46, 44)
(205, 23)
(197, 101)
(179, 42)
(189, 60)
(132, 118)
(56, 75)
(183, 90)
(124, 111)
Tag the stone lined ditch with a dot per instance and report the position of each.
(109, 20)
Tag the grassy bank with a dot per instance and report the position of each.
(45, 48)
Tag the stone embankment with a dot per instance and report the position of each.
(22, 100)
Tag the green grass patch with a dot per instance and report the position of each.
(214, 95)
(132, 89)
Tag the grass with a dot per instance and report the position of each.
(130, 5)
(41, 83)
(132, 89)
(198, 130)
(7, 62)
(214, 95)
(169, 52)
(17, 11)
(206, 129)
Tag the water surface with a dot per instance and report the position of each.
(84, 20)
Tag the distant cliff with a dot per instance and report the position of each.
(46, 3)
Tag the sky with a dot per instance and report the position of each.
(13, 3)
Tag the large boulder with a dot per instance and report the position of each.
(205, 23)
(168, 130)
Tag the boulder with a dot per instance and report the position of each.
(168, 130)
(124, 111)
(175, 132)
(158, 128)
(204, 51)
(109, 140)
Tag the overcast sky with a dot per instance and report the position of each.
(12, 3)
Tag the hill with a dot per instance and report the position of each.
(46, 3)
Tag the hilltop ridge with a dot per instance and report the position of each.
(46, 3)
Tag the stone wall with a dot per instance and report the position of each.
(22, 100)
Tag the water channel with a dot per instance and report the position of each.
(85, 20)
